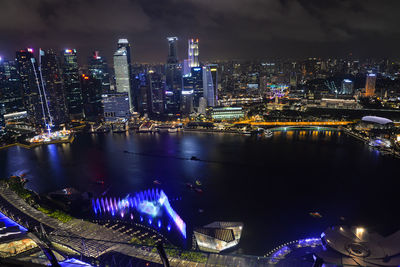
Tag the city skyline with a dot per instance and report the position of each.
(226, 30)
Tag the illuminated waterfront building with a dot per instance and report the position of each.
(73, 90)
(218, 236)
(123, 70)
(347, 87)
(227, 113)
(370, 84)
(54, 85)
(173, 82)
(116, 106)
(193, 53)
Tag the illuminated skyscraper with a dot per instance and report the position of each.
(92, 97)
(173, 82)
(123, 70)
(370, 85)
(210, 84)
(54, 86)
(27, 68)
(10, 88)
(193, 53)
(347, 87)
(98, 69)
(73, 90)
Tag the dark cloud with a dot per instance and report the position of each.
(226, 28)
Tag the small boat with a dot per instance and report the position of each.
(198, 190)
(201, 210)
(172, 130)
(198, 182)
(268, 133)
(194, 158)
(157, 182)
(189, 185)
(315, 215)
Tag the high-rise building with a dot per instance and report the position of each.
(116, 106)
(370, 84)
(98, 69)
(31, 90)
(123, 70)
(173, 81)
(157, 86)
(193, 53)
(142, 93)
(10, 88)
(73, 90)
(54, 87)
(210, 84)
(347, 87)
(92, 97)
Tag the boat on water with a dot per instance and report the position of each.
(189, 185)
(198, 190)
(157, 182)
(194, 158)
(172, 130)
(315, 214)
(198, 182)
(268, 133)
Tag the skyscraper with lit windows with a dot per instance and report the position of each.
(210, 84)
(123, 70)
(54, 85)
(370, 85)
(173, 80)
(98, 69)
(73, 90)
(193, 53)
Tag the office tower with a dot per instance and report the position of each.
(142, 93)
(92, 97)
(10, 88)
(197, 78)
(54, 86)
(370, 85)
(31, 90)
(187, 94)
(72, 85)
(173, 81)
(293, 79)
(123, 70)
(210, 84)
(186, 68)
(193, 53)
(347, 87)
(98, 69)
(157, 86)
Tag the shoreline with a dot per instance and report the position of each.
(26, 146)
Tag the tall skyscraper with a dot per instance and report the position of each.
(347, 87)
(54, 86)
(28, 72)
(173, 80)
(193, 53)
(210, 84)
(10, 87)
(370, 84)
(123, 70)
(92, 97)
(73, 90)
(98, 69)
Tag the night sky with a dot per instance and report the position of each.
(227, 29)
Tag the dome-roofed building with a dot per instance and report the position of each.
(374, 123)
